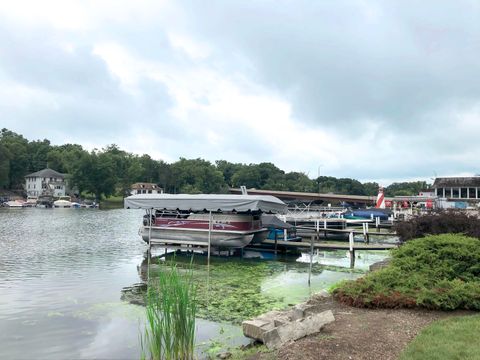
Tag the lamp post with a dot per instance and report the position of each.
(319, 167)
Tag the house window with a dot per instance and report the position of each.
(464, 193)
(455, 193)
(149, 191)
(448, 192)
(471, 193)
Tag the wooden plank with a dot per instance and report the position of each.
(323, 245)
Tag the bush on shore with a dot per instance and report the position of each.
(435, 272)
(443, 222)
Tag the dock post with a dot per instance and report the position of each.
(352, 251)
(364, 228)
(209, 235)
(311, 259)
(276, 240)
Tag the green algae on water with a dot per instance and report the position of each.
(232, 290)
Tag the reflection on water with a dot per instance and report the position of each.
(62, 272)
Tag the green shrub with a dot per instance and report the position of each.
(436, 272)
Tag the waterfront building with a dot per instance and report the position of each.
(45, 182)
(465, 189)
(145, 188)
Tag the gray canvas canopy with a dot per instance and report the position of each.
(272, 221)
(209, 202)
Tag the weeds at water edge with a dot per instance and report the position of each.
(170, 317)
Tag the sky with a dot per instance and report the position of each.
(374, 90)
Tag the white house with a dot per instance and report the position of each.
(45, 182)
(145, 188)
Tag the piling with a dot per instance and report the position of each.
(351, 250)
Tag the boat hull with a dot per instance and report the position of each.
(220, 239)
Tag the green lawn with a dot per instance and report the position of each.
(454, 338)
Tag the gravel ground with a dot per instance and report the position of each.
(361, 334)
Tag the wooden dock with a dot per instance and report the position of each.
(322, 245)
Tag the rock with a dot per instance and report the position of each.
(256, 328)
(277, 327)
(224, 355)
(297, 329)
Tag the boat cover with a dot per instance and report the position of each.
(271, 221)
(209, 202)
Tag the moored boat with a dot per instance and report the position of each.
(230, 221)
(62, 204)
(14, 204)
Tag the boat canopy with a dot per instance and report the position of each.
(208, 202)
(272, 221)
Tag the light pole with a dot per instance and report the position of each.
(319, 167)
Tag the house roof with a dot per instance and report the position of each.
(142, 185)
(472, 181)
(46, 173)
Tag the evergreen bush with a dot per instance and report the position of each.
(435, 272)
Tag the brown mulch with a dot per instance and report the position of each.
(361, 334)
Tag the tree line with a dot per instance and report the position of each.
(111, 171)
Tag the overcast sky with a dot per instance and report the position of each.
(373, 90)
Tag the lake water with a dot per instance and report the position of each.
(64, 274)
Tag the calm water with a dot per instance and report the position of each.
(62, 273)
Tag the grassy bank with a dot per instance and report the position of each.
(112, 202)
(454, 338)
(435, 272)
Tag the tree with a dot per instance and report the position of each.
(406, 188)
(16, 146)
(228, 169)
(197, 176)
(4, 166)
(38, 155)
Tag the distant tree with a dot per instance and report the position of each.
(228, 169)
(165, 178)
(370, 188)
(37, 152)
(17, 148)
(247, 175)
(197, 176)
(296, 181)
(406, 188)
(4, 166)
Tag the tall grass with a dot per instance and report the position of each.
(170, 316)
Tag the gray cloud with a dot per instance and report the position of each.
(405, 71)
(355, 60)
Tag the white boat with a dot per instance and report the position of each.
(14, 204)
(62, 204)
(31, 201)
(230, 221)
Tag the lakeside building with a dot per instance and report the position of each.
(45, 182)
(145, 188)
(457, 191)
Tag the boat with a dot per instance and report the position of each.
(278, 229)
(31, 201)
(229, 221)
(63, 202)
(14, 204)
